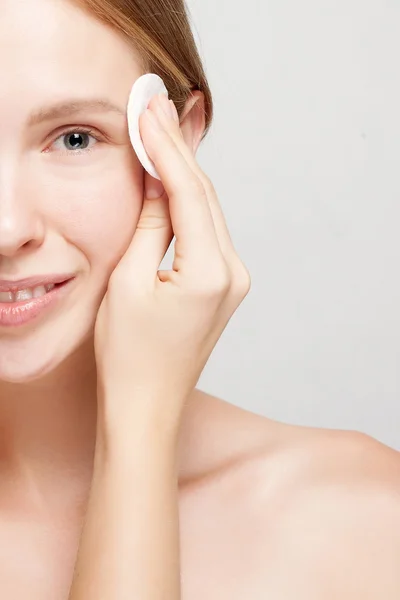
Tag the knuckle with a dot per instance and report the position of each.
(212, 283)
(217, 288)
(222, 280)
(220, 276)
(241, 280)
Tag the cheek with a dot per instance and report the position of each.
(99, 216)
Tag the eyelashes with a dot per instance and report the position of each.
(80, 131)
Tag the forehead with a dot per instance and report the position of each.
(51, 49)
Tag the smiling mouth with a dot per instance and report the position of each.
(29, 293)
(21, 305)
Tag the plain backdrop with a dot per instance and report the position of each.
(304, 154)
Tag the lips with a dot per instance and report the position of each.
(17, 311)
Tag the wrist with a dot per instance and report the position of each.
(122, 411)
(128, 434)
(143, 455)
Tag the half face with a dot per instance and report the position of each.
(71, 186)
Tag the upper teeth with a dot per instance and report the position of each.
(26, 294)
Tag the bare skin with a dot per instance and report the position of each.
(267, 510)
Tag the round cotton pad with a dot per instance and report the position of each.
(143, 90)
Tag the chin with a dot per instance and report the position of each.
(25, 371)
(32, 358)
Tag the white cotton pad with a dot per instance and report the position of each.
(142, 92)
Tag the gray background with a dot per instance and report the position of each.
(304, 154)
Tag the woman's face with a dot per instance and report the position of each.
(68, 203)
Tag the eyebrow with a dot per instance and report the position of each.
(71, 107)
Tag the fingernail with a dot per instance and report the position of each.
(166, 106)
(154, 189)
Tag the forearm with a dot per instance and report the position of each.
(129, 548)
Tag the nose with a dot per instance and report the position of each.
(21, 227)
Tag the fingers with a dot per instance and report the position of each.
(172, 127)
(152, 188)
(240, 277)
(151, 239)
(189, 209)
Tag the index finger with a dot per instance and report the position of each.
(220, 225)
(190, 213)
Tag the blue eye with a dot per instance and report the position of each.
(76, 140)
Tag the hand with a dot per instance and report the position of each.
(155, 330)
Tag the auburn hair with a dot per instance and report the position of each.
(160, 31)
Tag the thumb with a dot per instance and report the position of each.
(153, 188)
(152, 237)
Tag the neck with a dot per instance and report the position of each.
(48, 432)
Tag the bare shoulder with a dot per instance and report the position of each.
(332, 502)
(218, 433)
(321, 508)
(340, 528)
